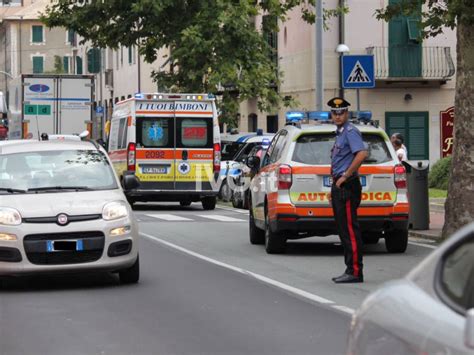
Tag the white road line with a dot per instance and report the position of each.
(423, 245)
(285, 287)
(221, 218)
(169, 217)
(233, 210)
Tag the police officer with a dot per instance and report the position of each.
(347, 155)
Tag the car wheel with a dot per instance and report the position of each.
(236, 200)
(246, 201)
(257, 235)
(132, 274)
(371, 238)
(226, 192)
(396, 241)
(209, 203)
(131, 201)
(185, 203)
(275, 243)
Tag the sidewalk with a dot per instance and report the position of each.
(436, 222)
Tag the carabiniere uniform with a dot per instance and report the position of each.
(346, 199)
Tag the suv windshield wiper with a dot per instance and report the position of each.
(12, 191)
(53, 188)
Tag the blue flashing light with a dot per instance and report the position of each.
(294, 116)
(365, 116)
(319, 115)
(211, 96)
(139, 96)
(265, 142)
(259, 132)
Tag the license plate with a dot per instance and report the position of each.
(64, 245)
(154, 170)
(328, 181)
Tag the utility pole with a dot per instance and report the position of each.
(319, 55)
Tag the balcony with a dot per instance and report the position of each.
(412, 65)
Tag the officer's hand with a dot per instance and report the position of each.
(340, 181)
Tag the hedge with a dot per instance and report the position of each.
(439, 175)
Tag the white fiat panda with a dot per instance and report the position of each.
(62, 209)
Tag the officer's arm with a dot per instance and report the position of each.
(357, 162)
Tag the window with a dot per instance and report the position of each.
(413, 30)
(155, 132)
(230, 149)
(94, 60)
(37, 34)
(414, 127)
(79, 69)
(315, 149)
(268, 29)
(66, 64)
(122, 133)
(130, 55)
(279, 146)
(252, 122)
(71, 37)
(38, 65)
(457, 275)
(194, 133)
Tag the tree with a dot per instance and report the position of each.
(459, 14)
(214, 46)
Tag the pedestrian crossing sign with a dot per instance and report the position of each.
(358, 71)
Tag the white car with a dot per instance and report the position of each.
(430, 311)
(62, 209)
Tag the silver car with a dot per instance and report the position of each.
(62, 209)
(430, 311)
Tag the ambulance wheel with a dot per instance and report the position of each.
(274, 242)
(257, 235)
(209, 203)
(132, 274)
(396, 241)
(185, 203)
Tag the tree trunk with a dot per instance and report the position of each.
(459, 206)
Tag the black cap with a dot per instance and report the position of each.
(338, 104)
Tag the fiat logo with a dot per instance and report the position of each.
(62, 219)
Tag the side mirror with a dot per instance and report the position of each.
(130, 182)
(469, 329)
(253, 162)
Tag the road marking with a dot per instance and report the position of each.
(423, 245)
(277, 284)
(233, 210)
(169, 217)
(221, 218)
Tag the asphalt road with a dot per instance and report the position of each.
(204, 290)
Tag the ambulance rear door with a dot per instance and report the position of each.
(194, 145)
(155, 144)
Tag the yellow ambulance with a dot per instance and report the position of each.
(166, 147)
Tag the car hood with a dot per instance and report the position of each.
(52, 204)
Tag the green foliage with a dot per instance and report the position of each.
(58, 65)
(435, 14)
(214, 46)
(439, 175)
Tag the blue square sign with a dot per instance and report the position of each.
(358, 71)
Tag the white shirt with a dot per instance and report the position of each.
(401, 154)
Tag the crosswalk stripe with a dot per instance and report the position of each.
(168, 217)
(221, 218)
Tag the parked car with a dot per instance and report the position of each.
(62, 209)
(231, 168)
(289, 194)
(430, 311)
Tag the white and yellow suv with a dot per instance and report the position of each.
(289, 194)
(62, 209)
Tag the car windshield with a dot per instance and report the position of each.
(55, 171)
(230, 149)
(315, 149)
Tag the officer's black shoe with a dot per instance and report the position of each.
(338, 277)
(345, 279)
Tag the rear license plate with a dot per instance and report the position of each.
(154, 169)
(64, 245)
(328, 181)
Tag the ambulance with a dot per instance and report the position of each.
(170, 144)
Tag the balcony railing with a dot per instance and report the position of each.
(412, 63)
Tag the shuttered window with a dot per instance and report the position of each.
(37, 34)
(66, 64)
(414, 128)
(38, 65)
(79, 69)
(93, 60)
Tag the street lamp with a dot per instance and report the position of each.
(341, 49)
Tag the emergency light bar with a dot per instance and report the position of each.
(364, 116)
(294, 116)
(319, 115)
(265, 142)
(158, 96)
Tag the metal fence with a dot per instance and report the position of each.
(436, 62)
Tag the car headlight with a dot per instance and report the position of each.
(9, 216)
(114, 210)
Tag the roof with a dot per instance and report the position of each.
(28, 12)
(244, 137)
(28, 145)
(329, 127)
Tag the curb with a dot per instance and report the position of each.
(422, 235)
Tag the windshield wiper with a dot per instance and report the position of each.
(12, 191)
(53, 188)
